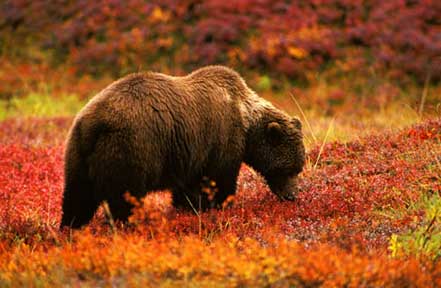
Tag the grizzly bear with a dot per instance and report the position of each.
(150, 131)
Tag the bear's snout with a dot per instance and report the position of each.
(287, 196)
(285, 188)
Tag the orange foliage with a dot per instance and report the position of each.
(228, 261)
(331, 236)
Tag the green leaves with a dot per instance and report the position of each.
(425, 239)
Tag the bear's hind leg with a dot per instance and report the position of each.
(113, 186)
(127, 180)
(79, 203)
(118, 169)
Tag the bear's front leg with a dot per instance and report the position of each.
(209, 192)
(221, 184)
(190, 199)
(226, 185)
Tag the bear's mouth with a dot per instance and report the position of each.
(285, 195)
(284, 188)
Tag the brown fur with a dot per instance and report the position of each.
(150, 131)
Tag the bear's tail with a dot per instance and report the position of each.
(79, 201)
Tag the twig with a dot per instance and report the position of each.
(109, 216)
(197, 214)
(304, 116)
(429, 227)
(424, 94)
(323, 144)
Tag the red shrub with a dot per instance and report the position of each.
(336, 203)
(283, 38)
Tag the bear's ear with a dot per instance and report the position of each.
(297, 123)
(274, 130)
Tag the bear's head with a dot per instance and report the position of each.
(275, 149)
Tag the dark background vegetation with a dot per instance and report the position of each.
(287, 41)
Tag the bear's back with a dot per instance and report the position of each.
(203, 91)
(200, 110)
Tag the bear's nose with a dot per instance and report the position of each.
(289, 197)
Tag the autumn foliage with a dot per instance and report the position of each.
(354, 197)
(285, 38)
(369, 209)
